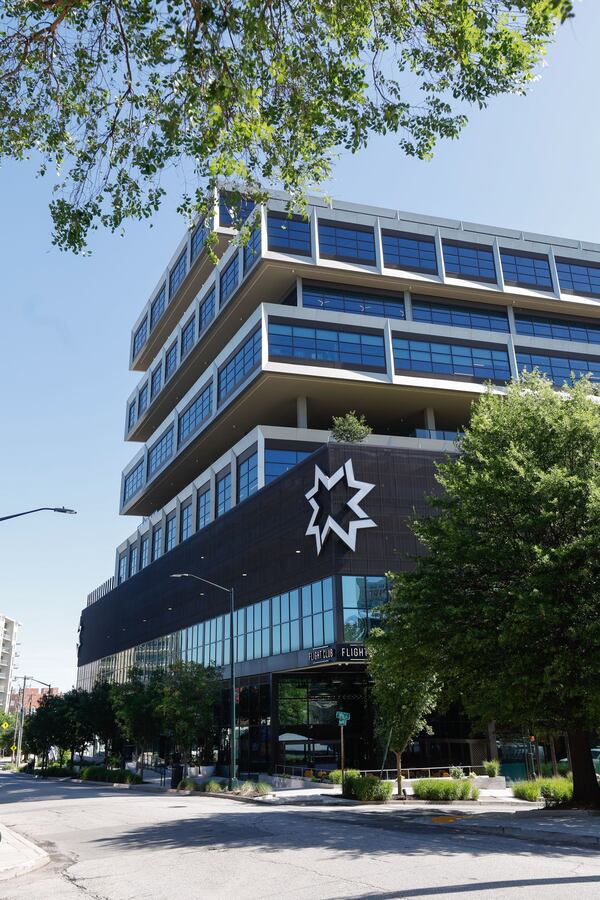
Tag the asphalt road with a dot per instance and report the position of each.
(120, 845)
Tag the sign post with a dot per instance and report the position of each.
(343, 719)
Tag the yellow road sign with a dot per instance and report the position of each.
(5, 725)
(14, 748)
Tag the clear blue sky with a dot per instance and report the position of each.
(529, 163)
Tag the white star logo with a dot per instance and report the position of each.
(362, 520)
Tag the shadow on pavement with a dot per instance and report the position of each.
(469, 887)
(271, 830)
(24, 788)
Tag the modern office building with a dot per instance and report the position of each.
(242, 365)
(8, 646)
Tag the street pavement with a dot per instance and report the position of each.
(109, 844)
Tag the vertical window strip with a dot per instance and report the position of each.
(131, 415)
(133, 482)
(158, 306)
(206, 310)
(170, 533)
(185, 529)
(195, 414)
(223, 486)
(248, 477)
(229, 280)
(177, 273)
(252, 249)
(140, 337)
(170, 360)
(239, 366)
(160, 452)
(142, 399)
(203, 508)
(188, 335)
(156, 381)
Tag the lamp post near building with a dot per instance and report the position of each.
(56, 509)
(230, 591)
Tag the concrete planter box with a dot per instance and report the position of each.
(193, 771)
(207, 771)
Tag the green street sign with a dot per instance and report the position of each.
(342, 717)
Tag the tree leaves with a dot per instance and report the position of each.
(119, 91)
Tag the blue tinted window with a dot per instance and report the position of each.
(170, 361)
(160, 452)
(349, 349)
(229, 280)
(133, 482)
(131, 415)
(248, 477)
(482, 363)
(203, 513)
(578, 278)
(122, 572)
(288, 235)
(526, 270)
(158, 306)
(346, 242)
(133, 561)
(140, 337)
(559, 368)
(186, 521)
(223, 493)
(277, 462)
(231, 208)
(156, 542)
(144, 552)
(187, 337)
(459, 316)
(469, 261)
(195, 414)
(143, 399)
(156, 381)
(171, 533)
(412, 252)
(239, 366)
(206, 310)
(559, 329)
(362, 302)
(177, 273)
(198, 239)
(252, 250)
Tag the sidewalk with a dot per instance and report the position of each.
(18, 855)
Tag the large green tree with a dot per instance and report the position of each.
(186, 706)
(135, 703)
(113, 92)
(506, 600)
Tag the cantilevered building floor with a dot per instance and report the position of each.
(242, 366)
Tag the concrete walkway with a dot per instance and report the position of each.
(18, 855)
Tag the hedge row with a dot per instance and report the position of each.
(553, 790)
(366, 787)
(436, 789)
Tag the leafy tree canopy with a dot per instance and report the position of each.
(186, 705)
(350, 427)
(263, 92)
(506, 603)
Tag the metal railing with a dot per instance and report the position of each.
(101, 591)
(387, 774)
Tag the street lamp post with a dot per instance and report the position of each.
(230, 591)
(56, 509)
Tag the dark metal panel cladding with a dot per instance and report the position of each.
(260, 537)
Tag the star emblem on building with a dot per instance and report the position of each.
(362, 520)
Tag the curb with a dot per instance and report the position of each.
(37, 856)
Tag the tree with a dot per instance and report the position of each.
(404, 695)
(506, 600)
(79, 730)
(187, 704)
(135, 704)
(117, 91)
(102, 713)
(47, 727)
(350, 427)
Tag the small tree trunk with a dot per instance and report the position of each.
(399, 774)
(142, 765)
(585, 784)
(553, 756)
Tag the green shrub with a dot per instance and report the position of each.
(212, 786)
(492, 767)
(435, 789)
(367, 787)
(563, 769)
(526, 790)
(556, 790)
(110, 776)
(247, 787)
(456, 772)
(335, 776)
(57, 772)
(188, 784)
(262, 788)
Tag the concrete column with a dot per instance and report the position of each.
(299, 295)
(314, 237)
(389, 351)
(554, 272)
(440, 254)
(378, 246)
(512, 357)
(498, 264)
(260, 446)
(301, 412)
(429, 416)
(408, 306)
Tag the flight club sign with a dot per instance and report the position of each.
(338, 653)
